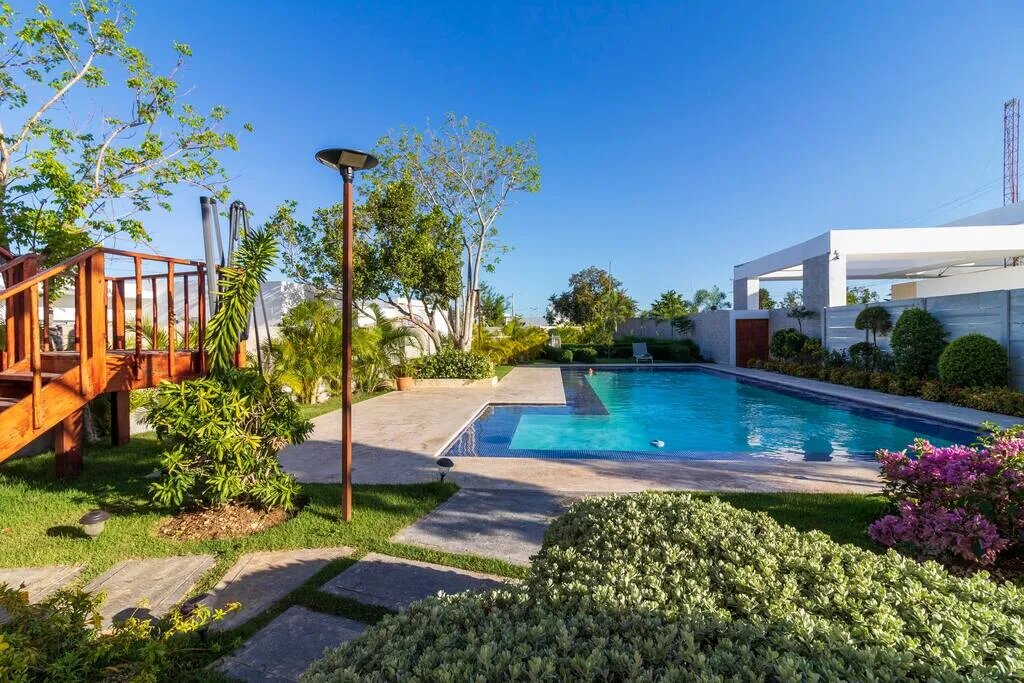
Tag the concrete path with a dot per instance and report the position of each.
(285, 647)
(505, 524)
(398, 437)
(258, 580)
(396, 583)
(38, 582)
(150, 587)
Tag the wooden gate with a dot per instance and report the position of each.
(751, 340)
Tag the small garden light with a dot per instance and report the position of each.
(93, 522)
(444, 465)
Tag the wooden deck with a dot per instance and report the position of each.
(42, 389)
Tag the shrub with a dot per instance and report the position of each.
(787, 343)
(1005, 401)
(56, 640)
(974, 360)
(863, 355)
(558, 355)
(585, 354)
(453, 363)
(917, 340)
(667, 587)
(876, 320)
(956, 502)
(221, 436)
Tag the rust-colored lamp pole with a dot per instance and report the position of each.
(347, 162)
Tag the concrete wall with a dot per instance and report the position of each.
(999, 315)
(778, 320)
(711, 331)
(985, 281)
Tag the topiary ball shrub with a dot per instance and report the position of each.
(974, 360)
(452, 363)
(659, 586)
(585, 354)
(917, 341)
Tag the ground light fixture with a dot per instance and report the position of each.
(93, 522)
(443, 466)
(346, 162)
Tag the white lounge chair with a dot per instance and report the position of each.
(640, 353)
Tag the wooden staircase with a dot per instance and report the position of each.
(43, 388)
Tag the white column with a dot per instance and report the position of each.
(746, 294)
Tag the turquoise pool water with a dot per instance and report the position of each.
(695, 414)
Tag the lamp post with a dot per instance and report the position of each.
(347, 162)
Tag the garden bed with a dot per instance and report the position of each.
(229, 521)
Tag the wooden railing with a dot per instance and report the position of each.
(99, 313)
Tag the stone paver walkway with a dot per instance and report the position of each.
(285, 647)
(396, 583)
(149, 587)
(505, 524)
(38, 582)
(258, 580)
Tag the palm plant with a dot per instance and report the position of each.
(711, 299)
(307, 354)
(378, 350)
(516, 343)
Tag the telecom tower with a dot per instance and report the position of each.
(1011, 147)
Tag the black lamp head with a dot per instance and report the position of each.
(340, 158)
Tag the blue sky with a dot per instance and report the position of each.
(675, 139)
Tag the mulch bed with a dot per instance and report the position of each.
(229, 521)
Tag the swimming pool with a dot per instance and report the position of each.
(695, 414)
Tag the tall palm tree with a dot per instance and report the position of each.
(711, 299)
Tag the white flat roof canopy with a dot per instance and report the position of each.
(976, 243)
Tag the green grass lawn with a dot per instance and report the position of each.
(502, 370)
(39, 515)
(842, 516)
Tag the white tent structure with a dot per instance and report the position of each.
(983, 252)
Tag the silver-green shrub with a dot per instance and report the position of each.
(667, 587)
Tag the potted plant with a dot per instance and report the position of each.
(405, 373)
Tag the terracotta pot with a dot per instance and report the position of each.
(404, 383)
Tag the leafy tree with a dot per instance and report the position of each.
(792, 299)
(612, 309)
(860, 295)
(305, 354)
(493, 306)
(70, 178)
(404, 257)
(463, 171)
(793, 303)
(874, 320)
(578, 305)
(711, 299)
(670, 305)
(764, 300)
(516, 343)
(917, 341)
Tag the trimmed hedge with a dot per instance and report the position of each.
(990, 399)
(787, 343)
(558, 355)
(453, 363)
(678, 351)
(585, 354)
(974, 360)
(667, 587)
(917, 341)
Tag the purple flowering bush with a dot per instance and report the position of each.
(957, 502)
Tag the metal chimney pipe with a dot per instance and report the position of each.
(208, 205)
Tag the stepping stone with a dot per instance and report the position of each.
(39, 582)
(258, 580)
(148, 588)
(504, 524)
(285, 647)
(395, 583)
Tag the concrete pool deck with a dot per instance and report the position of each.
(398, 437)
